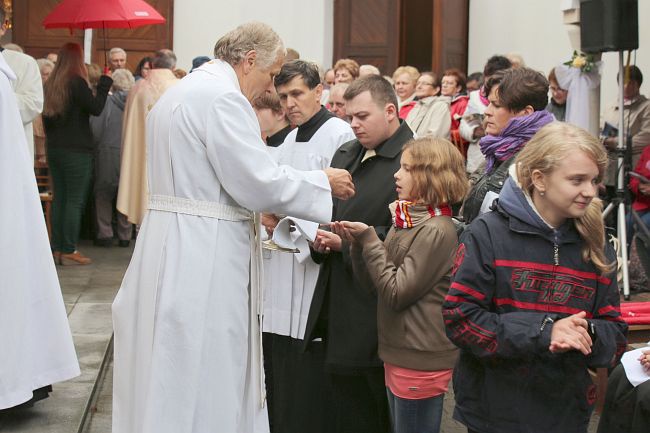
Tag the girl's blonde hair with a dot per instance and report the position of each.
(57, 88)
(544, 152)
(438, 171)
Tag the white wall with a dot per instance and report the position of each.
(305, 25)
(535, 29)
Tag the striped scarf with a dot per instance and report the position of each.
(407, 214)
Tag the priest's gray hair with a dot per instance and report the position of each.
(233, 46)
(164, 59)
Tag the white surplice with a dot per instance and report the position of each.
(37, 348)
(186, 346)
(290, 279)
(28, 88)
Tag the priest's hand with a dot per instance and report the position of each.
(326, 242)
(341, 183)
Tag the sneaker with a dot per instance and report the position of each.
(124, 243)
(75, 258)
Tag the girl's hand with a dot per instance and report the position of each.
(571, 333)
(348, 230)
(355, 228)
(326, 242)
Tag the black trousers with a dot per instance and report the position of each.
(627, 408)
(360, 401)
(299, 387)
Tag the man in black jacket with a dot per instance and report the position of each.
(343, 315)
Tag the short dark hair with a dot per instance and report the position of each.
(308, 71)
(519, 88)
(3, 14)
(478, 76)
(496, 63)
(635, 74)
(381, 91)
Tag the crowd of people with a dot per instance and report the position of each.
(445, 226)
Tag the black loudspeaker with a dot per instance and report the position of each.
(609, 25)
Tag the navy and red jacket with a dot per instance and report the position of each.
(513, 275)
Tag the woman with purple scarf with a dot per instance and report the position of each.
(518, 98)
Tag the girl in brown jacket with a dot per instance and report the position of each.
(410, 272)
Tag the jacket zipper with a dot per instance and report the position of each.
(556, 249)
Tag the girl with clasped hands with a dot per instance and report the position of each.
(534, 301)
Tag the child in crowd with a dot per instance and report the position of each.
(410, 272)
(534, 301)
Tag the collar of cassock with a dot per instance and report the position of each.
(307, 130)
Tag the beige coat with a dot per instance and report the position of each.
(133, 193)
(637, 116)
(431, 117)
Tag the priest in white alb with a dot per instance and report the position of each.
(187, 317)
(35, 339)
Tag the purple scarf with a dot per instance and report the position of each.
(513, 137)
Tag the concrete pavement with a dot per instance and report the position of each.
(88, 292)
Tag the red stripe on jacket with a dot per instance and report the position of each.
(549, 308)
(552, 268)
(468, 291)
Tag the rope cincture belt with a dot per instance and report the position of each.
(210, 209)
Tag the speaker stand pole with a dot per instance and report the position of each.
(620, 181)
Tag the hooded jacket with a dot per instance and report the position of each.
(514, 276)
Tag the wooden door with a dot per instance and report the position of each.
(29, 33)
(427, 34)
(368, 32)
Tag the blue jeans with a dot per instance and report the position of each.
(415, 416)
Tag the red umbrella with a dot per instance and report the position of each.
(102, 14)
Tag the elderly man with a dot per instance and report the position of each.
(343, 315)
(27, 86)
(117, 59)
(336, 102)
(187, 317)
(132, 192)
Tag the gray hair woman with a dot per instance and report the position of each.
(107, 133)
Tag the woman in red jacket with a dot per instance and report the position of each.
(453, 85)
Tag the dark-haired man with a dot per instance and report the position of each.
(291, 278)
(342, 313)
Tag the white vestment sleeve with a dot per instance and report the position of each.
(250, 175)
(29, 92)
